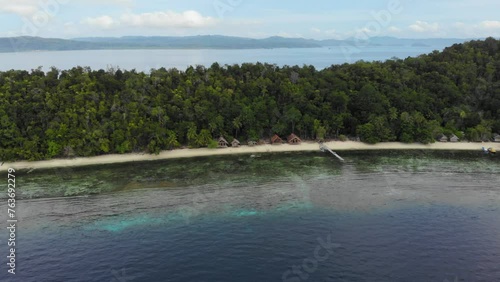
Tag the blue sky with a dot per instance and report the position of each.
(319, 19)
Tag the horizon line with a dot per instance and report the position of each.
(254, 38)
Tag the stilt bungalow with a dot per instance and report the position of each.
(442, 138)
(235, 143)
(294, 140)
(223, 142)
(276, 140)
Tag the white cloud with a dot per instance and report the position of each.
(119, 2)
(315, 30)
(289, 35)
(104, 22)
(187, 19)
(331, 32)
(17, 8)
(325, 34)
(27, 8)
(393, 29)
(477, 30)
(365, 30)
(490, 24)
(168, 19)
(421, 26)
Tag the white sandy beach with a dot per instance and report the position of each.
(188, 153)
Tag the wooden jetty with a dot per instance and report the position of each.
(325, 148)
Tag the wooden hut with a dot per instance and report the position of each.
(252, 143)
(276, 140)
(235, 143)
(442, 138)
(496, 138)
(223, 142)
(294, 139)
(454, 138)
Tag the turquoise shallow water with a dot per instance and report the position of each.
(414, 216)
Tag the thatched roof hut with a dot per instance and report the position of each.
(496, 138)
(222, 142)
(252, 143)
(294, 139)
(442, 138)
(276, 139)
(454, 138)
(235, 143)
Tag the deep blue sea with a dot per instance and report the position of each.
(145, 60)
(380, 216)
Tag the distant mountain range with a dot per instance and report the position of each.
(23, 44)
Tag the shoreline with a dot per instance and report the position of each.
(203, 152)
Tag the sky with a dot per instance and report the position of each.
(317, 19)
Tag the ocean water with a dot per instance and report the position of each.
(145, 60)
(380, 216)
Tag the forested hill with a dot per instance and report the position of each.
(26, 43)
(85, 112)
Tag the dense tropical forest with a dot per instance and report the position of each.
(84, 112)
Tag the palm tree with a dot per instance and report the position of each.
(192, 136)
(171, 140)
(237, 126)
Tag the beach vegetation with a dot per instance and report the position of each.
(213, 144)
